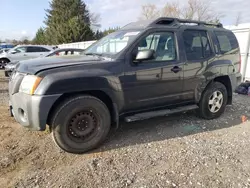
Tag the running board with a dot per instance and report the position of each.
(148, 115)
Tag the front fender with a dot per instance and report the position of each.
(75, 82)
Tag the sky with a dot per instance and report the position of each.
(22, 18)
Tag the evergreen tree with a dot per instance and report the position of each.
(68, 21)
(40, 37)
(110, 30)
(98, 35)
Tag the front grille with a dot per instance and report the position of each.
(15, 82)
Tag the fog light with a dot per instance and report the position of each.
(23, 115)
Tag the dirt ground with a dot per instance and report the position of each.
(176, 151)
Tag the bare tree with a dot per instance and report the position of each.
(193, 9)
(238, 19)
(149, 11)
(171, 10)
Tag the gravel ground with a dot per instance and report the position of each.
(176, 151)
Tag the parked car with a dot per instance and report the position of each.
(4, 50)
(66, 52)
(6, 45)
(58, 52)
(23, 52)
(144, 70)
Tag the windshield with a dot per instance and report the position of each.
(112, 44)
(18, 49)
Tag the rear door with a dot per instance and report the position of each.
(198, 51)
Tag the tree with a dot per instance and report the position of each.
(25, 40)
(68, 21)
(40, 37)
(200, 10)
(149, 11)
(110, 30)
(99, 35)
(171, 10)
(238, 19)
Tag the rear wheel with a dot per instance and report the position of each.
(81, 124)
(213, 101)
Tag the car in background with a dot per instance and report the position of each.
(66, 52)
(24, 52)
(4, 50)
(6, 45)
(58, 52)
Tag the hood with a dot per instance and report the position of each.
(33, 66)
(13, 62)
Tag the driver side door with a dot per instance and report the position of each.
(18, 54)
(156, 82)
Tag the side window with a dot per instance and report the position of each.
(162, 43)
(196, 45)
(227, 41)
(20, 50)
(43, 49)
(207, 52)
(33, 49)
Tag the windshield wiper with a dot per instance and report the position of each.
(94, 54)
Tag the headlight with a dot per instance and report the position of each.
(9, 66)
(29, 84)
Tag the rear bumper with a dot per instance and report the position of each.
(236, 80)
(32, 111)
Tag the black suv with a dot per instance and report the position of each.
(146, 69)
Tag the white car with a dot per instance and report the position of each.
(58, 52)
(24, 52)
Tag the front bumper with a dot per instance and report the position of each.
(32, 111)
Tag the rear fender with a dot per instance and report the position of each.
(214, 70)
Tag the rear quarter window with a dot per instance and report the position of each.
(227, 41)
(43, 49)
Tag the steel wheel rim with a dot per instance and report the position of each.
(215, 102)
(83, 126)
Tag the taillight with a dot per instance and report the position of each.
(240, 64)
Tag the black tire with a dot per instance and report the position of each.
(204, 110)
(80, 124)
(3, 63)
(7, 73)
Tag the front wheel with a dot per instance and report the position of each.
(80, 124)
(3, 63)
(213, 101)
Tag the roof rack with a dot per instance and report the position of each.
(176, 22)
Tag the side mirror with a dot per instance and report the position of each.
(145, 55)
(13, 52)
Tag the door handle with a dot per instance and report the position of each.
(24, 55)
(176, 69)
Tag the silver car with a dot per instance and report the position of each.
(24, 52)
(58, 52)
